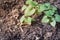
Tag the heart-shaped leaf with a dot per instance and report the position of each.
(28, 9)
(53, 23)
(42, 8)
(49, 13)
(45, 20)
(28, 20)
(31, 12)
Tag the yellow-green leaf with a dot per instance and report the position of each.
(28, 1)
(41, 8)
(24, 7)
(28, 20)
(22, 19)
(53, 23)
(28, 9)
(31, 12)
(45, 20)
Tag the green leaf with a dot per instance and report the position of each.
(28, 9)
(38, 8)
(41, 7)
(32, 3)
(22, 19)
(45, 20)
(28, 20)
(31, 12)
(47, 4)
(57, 17)
(24, 7)
(53, 23)
(28, 1)
(49, 13)
(54, 8)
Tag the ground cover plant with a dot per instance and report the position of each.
(29, 19)
(32, 8)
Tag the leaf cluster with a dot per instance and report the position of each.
(51, 15)
(32, 8)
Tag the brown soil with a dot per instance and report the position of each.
(10, 13)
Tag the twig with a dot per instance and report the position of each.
(20, 27)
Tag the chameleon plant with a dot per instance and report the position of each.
(51, 15)
(32, 8)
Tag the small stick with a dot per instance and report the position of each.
(20, 27)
